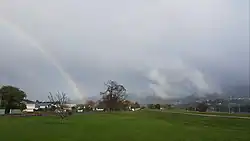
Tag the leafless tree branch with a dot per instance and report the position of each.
(60, 100)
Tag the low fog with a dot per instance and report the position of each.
(169, 48)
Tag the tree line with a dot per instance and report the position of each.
(114, 98)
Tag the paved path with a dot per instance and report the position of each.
(208, 115)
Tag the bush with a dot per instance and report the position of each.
(22, 106)
(53, 108)
(143, 107)
(70, 113)
(157, 106)
(202, 107)
(190, 109)
(151, 106)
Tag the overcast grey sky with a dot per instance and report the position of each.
(171, 47)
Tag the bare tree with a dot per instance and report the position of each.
(59, 100)
(114, 95)
(89, 106)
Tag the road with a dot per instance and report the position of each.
(208, 115)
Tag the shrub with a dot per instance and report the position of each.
(202, 107)
(157, 106)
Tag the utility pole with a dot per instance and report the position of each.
(229, 100)
(239, 108)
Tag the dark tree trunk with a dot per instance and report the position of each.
(7, 110)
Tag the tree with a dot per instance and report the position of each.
(202, 107)
(136, 105)
(114, 95)
(166, 106)
(157, 106)
(22, 106)
(89, 106)
(190, 108)
(126, 105)
(59, 100)
(11, 97)
(100, 104)
(151, 106)
(80, 106)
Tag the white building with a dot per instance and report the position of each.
(30, 106)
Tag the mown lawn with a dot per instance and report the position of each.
(133, 126)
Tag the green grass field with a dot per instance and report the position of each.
(127, 126)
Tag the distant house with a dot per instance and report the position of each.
(43, 105)
(30, 105)
(71, 105)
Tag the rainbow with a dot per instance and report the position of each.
(35, 44)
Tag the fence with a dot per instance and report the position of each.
(1, 111)
(12, 111)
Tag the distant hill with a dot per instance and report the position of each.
(235, 91)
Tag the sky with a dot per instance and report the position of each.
(162, 47)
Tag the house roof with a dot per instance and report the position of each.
(28, 101)
(43, 104)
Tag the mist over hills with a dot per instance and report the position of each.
(237, 91)
(233, 91)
